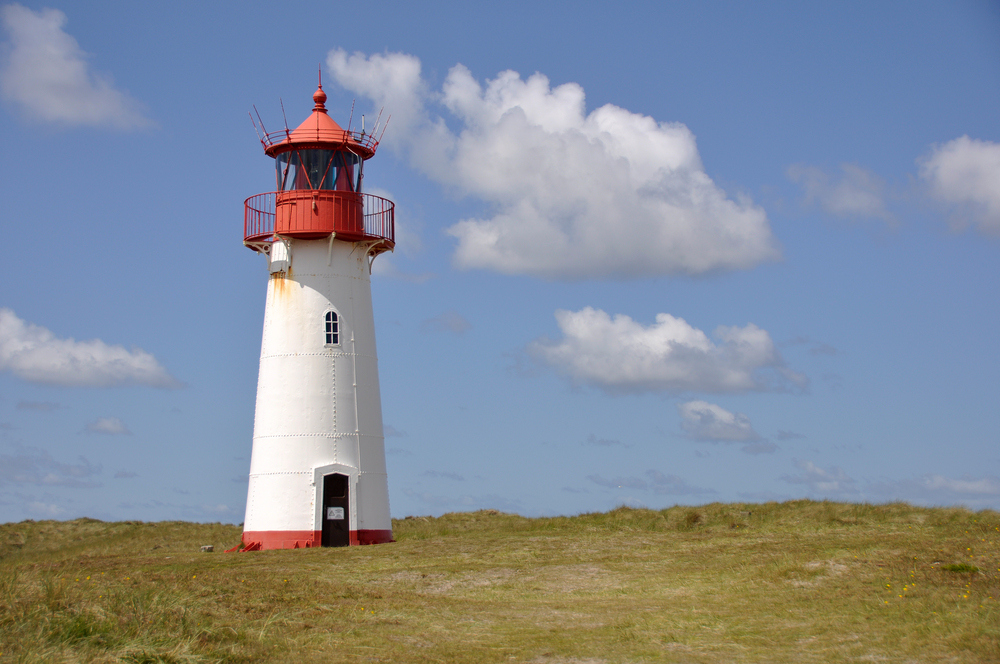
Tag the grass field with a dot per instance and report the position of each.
(801, 581)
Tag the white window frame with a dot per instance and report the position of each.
(331, 328)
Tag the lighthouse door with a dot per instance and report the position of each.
(336, 510)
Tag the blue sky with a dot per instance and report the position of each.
(647, 255)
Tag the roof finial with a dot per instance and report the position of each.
(319, 96)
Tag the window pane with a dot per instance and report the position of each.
(306, 169)
(287, 167)
(321, 174)
(332, 328)
(345, 170)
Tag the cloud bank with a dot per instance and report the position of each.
(46, 74)
(37, 467)
(826, 482)
(709, 422)
(34, 354)
(653, 480)
(620, 355)
(574, 195)
(933, 489)
(966, 172)
(110, 426)
(856, 193)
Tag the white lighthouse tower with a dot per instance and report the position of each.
(317, 473)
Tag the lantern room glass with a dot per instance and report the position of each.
(317, 169)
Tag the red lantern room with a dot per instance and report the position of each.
(319, 173)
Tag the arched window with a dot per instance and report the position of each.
(332, 328)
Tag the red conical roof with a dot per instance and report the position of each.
(319, 131)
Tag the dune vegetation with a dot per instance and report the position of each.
(801, 581)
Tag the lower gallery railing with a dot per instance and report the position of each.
(305, 213)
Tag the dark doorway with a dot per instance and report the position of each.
(336, 511)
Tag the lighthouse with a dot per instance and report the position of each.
(317, 471)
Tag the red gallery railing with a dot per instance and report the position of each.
(313, 214)
(324, 135)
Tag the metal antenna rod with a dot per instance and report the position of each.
(284, 117)
(261, 120)
(378, 119)
(255, 127)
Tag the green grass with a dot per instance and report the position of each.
(801, 581)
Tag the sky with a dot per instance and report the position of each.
(658, 254)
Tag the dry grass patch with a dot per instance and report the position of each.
(792, 582)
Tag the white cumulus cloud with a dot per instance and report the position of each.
(621, 355)
(856, 193)
(966, 172)
(47, 75)
(574, 195)
(33, 353)
(707, 421)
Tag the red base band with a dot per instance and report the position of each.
(259, 540)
